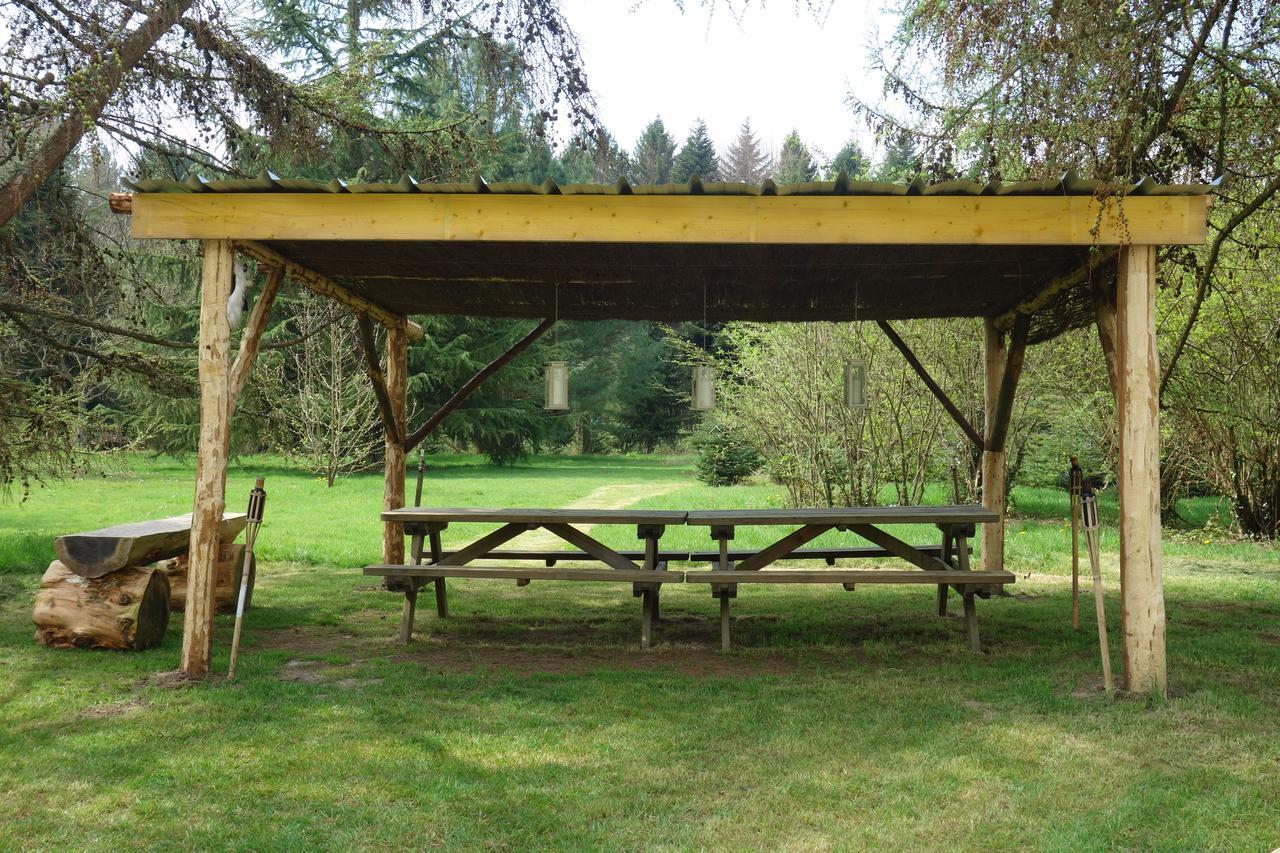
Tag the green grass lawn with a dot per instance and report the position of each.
(531, 719)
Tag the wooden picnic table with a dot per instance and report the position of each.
(945, 565)
(645, 571)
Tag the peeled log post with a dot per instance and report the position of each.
(214, 362)
(125, 610)
(1137, 404)
(993, 463)
(230, 565)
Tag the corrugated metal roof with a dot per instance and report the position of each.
(1068, 184)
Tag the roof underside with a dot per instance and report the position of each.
(630, 278)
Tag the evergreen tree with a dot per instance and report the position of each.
(588, 161)
(745, 160)
(697, 157)
(901, 161)
(851, 160)
(795, 165)
(654, 154)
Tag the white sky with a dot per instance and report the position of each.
(776, 65)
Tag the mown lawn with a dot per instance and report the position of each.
(531, 719)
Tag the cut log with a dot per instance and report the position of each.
(97, 552)
(226, 581)
(127, 609)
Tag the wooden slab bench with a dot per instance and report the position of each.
(98, 552)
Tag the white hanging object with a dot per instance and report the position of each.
(855, 383)
(704, 388)
(557, 382)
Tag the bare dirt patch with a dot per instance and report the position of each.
(119, 708)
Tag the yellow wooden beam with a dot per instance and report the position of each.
(326, 286)
(975, 220)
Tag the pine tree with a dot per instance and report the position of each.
(795, 165)
(901, 161)
(850, 160)
(654, 154)
(697, 157)
(745, 161)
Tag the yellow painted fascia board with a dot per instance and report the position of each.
(818, 220)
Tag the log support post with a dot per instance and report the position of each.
(1137, 405)
(993, 468)
(397, 386)
(214, 361)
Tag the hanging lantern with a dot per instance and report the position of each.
(557, 382)
(704, 388)
(855, 383)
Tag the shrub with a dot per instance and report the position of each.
(725, 457)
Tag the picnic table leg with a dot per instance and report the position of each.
(725, 644)
(646, 618)
(971, 620)
(946, 558)
(406, 616)
(442, 595)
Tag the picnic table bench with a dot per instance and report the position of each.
(945, 564)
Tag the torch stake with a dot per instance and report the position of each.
(257, 503)
(1077, 484)
(1089, 513)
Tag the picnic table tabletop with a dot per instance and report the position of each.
(952, 514)
(528, 515)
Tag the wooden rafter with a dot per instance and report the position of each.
(473, 383)
(999, 430)
(952, 409)
(1045, 295)
(373, 366)
(326, 286)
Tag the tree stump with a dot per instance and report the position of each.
(127, 609)
(231, 559)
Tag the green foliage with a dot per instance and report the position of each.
(725, 455)
(746, 161)
(795, 165)
(697, 156)
(851, 160)
(653, 155)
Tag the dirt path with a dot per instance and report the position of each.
(618, 496)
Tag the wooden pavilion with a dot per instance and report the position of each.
(1032, 259)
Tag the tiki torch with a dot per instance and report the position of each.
(1076, 487)
(257, 503)
(1089, 515)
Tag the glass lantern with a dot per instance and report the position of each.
(556, 374)
(704, 388)
(855, 383)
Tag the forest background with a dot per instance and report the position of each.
(97, 331)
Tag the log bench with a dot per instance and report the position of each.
(107, 591)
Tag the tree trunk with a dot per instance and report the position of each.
(62, 140)
(230, 566)
(127, 609)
